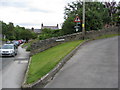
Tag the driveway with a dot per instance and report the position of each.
(95, 65)
(13, 69)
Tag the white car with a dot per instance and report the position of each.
(8, 50)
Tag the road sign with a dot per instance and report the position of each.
(78, 22)
(77, 19)
(77, 29)
(76, 26)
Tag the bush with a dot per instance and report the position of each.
(48, 33)
(44, 36)
(28, 48)
(28, 45)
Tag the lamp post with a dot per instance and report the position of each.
(83, 23)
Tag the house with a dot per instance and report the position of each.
(49, 27)
(36, 30)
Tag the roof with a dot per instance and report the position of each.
(37, 30)
(50, 27)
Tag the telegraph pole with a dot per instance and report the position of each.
(83, 22)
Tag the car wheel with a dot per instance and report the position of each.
(15, 53)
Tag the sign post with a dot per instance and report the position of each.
(77, 20)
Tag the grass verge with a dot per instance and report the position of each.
(107, 36)
(45, 61)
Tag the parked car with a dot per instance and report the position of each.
(8, 50)
(20, 41)
(8, 42)
(24, 41)
(16, 43)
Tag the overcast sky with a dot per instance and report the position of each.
(31, 13)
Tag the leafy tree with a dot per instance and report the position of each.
(26, 34)
(117, 15)
(16, 33)
(4, 28)
(48, 33)
(111, 8)
(68, 26)
(10, 32)
(96, 16)
(33, 35)
(46, 30)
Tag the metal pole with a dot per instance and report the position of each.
(83, 22)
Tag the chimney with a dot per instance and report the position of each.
(41, 25)
(57, 25)
(32, 29)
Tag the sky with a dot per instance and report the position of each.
(32, 13)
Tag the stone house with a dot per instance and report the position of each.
(49, 27)
(36, 30)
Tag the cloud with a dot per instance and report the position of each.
(38, 10)
(13, 3)
(23, 4)
(31, 13)
(27, 23)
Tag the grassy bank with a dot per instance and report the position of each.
(107, 36)
(45, 61)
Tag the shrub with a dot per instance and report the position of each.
(48, 33)
(28, 48)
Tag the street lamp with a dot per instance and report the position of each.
(83, 22)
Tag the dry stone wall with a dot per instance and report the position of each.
(42, 45)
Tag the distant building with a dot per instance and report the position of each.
(49, 27)
(36, 30)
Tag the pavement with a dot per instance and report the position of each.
(94, 65)
(13, 69)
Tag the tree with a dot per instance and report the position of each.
(26, 34)
(96, 15)
(4, 28)
(34, 35)
(111, 8)
(16, 33)
(18, 30)
(117, 15)
(10, 32)
(68, 26)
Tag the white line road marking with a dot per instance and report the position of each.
(21, 61)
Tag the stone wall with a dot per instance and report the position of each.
(42, 45)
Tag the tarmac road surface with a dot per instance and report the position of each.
(13, 69)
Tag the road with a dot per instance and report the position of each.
(94, 65)
(13, 69)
